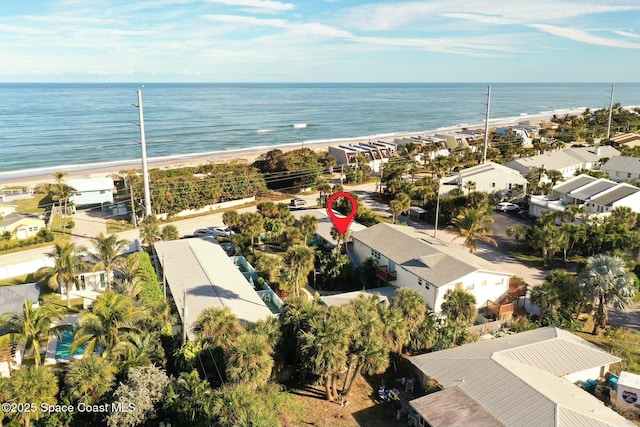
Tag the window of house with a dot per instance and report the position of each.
(509, 186)
(628, 174)
(469, 287)
(493, 184)
(103, 191)
(484, 282)
(33, 229)
(500, 282)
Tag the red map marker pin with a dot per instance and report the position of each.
(342, 223)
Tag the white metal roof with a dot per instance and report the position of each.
(210, 278)
(91, 184)
(520, 378)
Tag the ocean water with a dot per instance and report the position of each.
(46, 127)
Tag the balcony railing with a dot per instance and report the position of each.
(385, 275)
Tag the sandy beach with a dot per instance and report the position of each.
(26, 178)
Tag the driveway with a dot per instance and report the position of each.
(629, 319)
(89, 223)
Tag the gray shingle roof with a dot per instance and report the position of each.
(622, 164)
(586, 192)
(452, 407)
(12, 297)
(574, 183)
(519, 378)
(618, 193)
(436, 263)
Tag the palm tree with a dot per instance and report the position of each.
(218, 327)
(32, 384)
(170, 232)
(300, 260)
(268, 265)
(231, 219)
(250, 359)
(517, 232)
(547, 298)
(401, 203)
(89, 379)
(112, 315)
(308, 225)
(150, 231)
(554, 176)
(140, 350)
(472, 225)
(325, 346)
(411, 305)
(252, 223)
(460, 308)
(395, 331)
(607, 280)
(64, 274)
(368, 352)
(34, 326)
(470, 186)
(236, 404)
(191, 396)
(108, 249)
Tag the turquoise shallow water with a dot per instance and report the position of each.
(47, 125)
(63, 346)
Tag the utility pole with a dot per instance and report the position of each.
(164, 278)
(145, 167)
(610, 114)
(184, 316)
(435, 229)
(486, 126)
(134, 218)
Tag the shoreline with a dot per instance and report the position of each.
(32, 177)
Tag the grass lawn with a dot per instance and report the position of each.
(18, 280)
(116, 226)
(56, 299)
(33, 205)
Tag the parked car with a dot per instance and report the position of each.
(507, 207)
(204, 232)
(297, 202)
(221, 231)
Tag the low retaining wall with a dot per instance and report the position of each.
(211, 208)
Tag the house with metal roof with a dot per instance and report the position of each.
(376, 154)
(408, 258)
(526, 379)
(628, 139)
(91, 191)
(622, 168)
(12, 297)
(597, 196)
(568, 162)
(199, 274)
(489, 177)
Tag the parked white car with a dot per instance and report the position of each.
(221, 231)
(506, 206)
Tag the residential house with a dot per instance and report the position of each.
(323, 233)
(437, 145)
(597, 196)
(460, 138)
(568, 162)
(622, 168)
(199, 275)
(523, 133)
(489, 177)
(12, 297)
(407, 258)
(375, 154)
(385, 293)
(17, 225)
(91, 191)
(628, 139)
(528, 379)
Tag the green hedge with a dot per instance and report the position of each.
(43, 236)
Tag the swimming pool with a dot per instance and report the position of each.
(63, 346)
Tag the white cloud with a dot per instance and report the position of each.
(585, 36)
(387, 16)
(258, 5)
(626, 34)
(247, 20)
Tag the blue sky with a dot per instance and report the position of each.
(320, 41)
